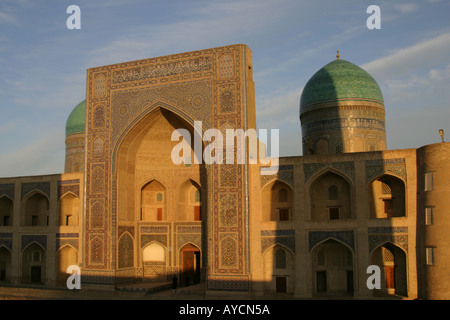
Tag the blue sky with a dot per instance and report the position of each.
(43, 64)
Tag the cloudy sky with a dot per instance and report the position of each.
(43, 63)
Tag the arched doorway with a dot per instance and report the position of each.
(392, 262)
(154, 261)
(6, 211)
(190, 265)
(387, 197)
(278, 264)
(332, 269)
(65, 257)
(33, 264)
(5, 264)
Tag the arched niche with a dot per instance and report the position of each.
(145, 153)
(65, 257)
(330, 197)
(332, 264)
(153, 202)
(36, 209)
(392, 262)
(69, 208)
(189, 201)
(279, 269)
(387, 197)
(125, 257)
(277, 199)
(5, 265)
(34, 263)
(6, 211)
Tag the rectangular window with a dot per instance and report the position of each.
(34, 220)
(197, 213)
(2, 274)
(280, 284)
(159, 214)
(284, 214)
(321, 278)
(428, 216)
(429, 252)
(6, 220)
(388, 206)
(428, 181)
(334, 213)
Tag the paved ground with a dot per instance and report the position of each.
(139, 291)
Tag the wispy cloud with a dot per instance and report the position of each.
(7, 18)
(406, 7)
(422, 55)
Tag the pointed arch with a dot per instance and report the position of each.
(125, 254)
(66, 256)
(277, 201)
(189, 206)
(332, 268)
(69, 207)
(392, 260)
(154, 196)
(387, 196)
(6, 211)
(322, 208)
(154, 253)
(278, 269)
(35, 206)
(5, 264)
(190, 263)
(148, 113)
(33, 264)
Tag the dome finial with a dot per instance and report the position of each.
(338, 55)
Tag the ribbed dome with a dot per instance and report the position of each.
(77, 118)
(339, 80)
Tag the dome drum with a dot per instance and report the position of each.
(342, 110)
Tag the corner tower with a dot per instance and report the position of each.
(75, 127)
(342, 110)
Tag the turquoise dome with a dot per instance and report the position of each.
(77, 119)
(339, 80)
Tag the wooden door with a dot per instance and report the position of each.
(390, 277)
(280, 284)
(36, 274)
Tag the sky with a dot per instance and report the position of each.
(43, 63)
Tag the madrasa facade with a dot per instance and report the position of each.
(123, 211)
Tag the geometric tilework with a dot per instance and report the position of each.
(7, 190)
(347, 168)
(346, 237)
(41, 186)
(69, 186)
(285, 173)
(39, 239)
(271, 238)
(394, 235)
(6, 240)
(228, 282)
(375, 168)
